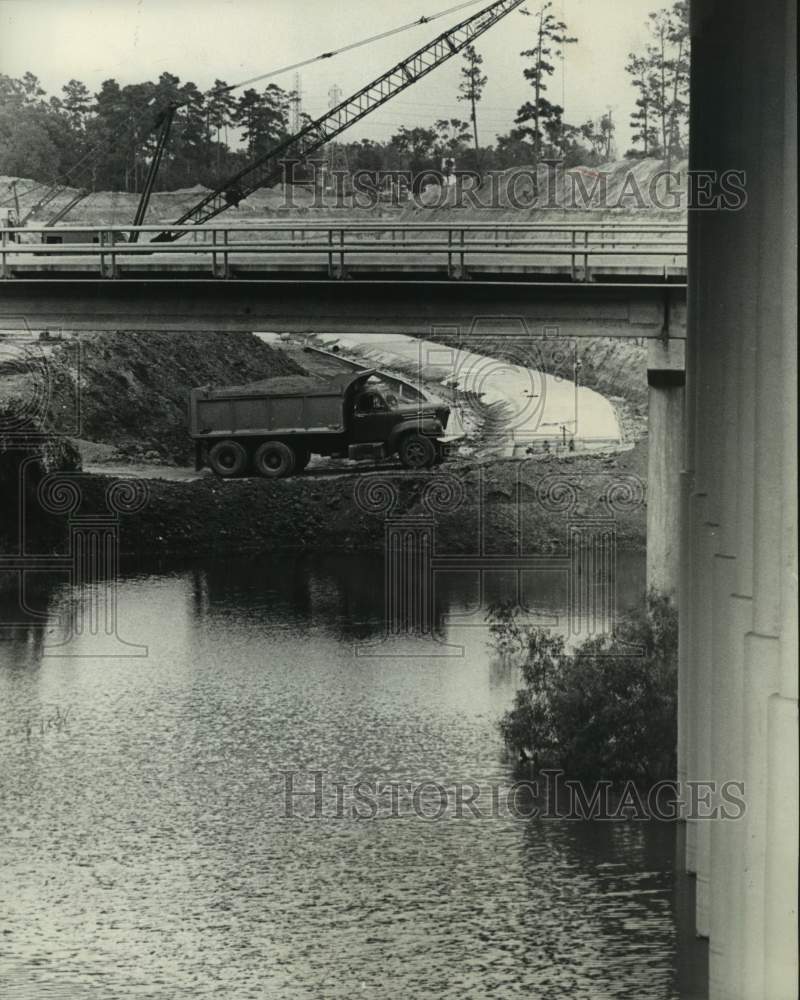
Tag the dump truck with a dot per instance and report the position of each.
(272, 428)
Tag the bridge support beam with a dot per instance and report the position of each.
(592, 309)
(666, 377)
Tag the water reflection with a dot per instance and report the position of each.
(147, 853)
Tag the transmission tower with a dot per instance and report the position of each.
(337, 160)
(297, 104)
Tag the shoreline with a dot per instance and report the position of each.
(519, 505)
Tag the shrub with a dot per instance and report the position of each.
(607, 711)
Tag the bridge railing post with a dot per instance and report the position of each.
(3, 245)
(572, 257)
(224, 271)
(330, 253)
(449, 253)
(586, 255)
(112, 244)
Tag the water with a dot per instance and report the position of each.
(146, 851)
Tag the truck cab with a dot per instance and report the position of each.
(374, 413)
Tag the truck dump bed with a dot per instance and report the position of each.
(293, 404)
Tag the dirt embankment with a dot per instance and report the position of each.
(134, 387)
(634, 189)
(329, 511)
(626, 190)
(133, 391)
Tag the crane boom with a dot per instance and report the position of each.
(164, 124)
(52, 192)
(268, 168)
(62, 212)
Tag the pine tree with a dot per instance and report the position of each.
(642, 119)
(551, 37)
(263, 117)
(77, 103)
(472, 85)
(220, 112)
(661, 78)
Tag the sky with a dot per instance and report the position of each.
(201, 40)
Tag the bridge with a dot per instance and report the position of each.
(567, 252)
(585, 279)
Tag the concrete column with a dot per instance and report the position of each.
(666, 377)
(738, 659)
(686, 674)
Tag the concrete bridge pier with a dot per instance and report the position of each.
(737, 684)
(666, 378)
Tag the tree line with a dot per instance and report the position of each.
(103, 141)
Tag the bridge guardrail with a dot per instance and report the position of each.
(580, 245)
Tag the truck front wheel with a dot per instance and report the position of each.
(274, 460)
(227, 459)
(417, 451)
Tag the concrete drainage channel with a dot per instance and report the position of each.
(503, 409)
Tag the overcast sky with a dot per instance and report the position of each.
(200, 40)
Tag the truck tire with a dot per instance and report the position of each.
(274, 460)
(417, 451)
(227, 459)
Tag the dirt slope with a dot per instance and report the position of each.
(134, 387)
(626, 188)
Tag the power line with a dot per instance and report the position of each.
(348, 48)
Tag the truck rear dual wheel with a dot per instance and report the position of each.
(227, 459)
(417, 451)
(274, 460)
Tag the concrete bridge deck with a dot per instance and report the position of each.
(574, 279)
(558, 252)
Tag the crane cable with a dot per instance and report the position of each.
(347, 48)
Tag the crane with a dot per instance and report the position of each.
(268, 169)
(163, 123)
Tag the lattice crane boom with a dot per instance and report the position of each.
(269, 168)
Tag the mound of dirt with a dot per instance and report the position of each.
(628, 189)
(99, 207)
(134, 386)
